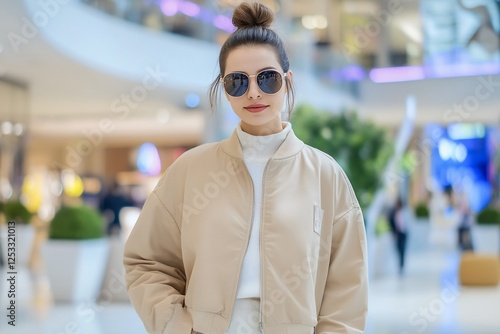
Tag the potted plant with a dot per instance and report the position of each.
(422, 211)
(488, 216)
(75, 254)
(16, 230)
(486, 232)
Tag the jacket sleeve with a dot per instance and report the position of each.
(154, 270)
(345, 301)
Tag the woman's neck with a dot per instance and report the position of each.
(264, 129)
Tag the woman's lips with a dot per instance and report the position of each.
(256, 107)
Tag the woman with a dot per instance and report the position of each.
(398, 220)
(258, 233)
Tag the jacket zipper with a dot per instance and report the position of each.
(261, 285)
(248, 241)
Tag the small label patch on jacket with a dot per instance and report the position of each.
(318, 219)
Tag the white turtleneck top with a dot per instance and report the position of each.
(257, 150)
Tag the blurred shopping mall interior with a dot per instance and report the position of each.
(99, 97)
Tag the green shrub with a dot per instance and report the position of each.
(488, 215)
(76, 222)
(421, 211)
(382, 226)
(16, 211)
(360, 147)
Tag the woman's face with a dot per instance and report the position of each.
(260, 113)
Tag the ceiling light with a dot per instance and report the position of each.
(308, 22)
(5, 188)
(6, 128)
(321, 22)
(192, 100)
(169, 7)
(314, 22)
(18, 129)
(190, 9)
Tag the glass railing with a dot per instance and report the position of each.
(206, 22)
(416, 53)
(198, 20)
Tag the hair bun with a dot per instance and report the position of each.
(248, 15)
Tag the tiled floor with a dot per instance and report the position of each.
(426, 299)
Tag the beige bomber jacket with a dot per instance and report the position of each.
(184, 255)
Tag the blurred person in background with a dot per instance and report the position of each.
(443, 218)
(465, 218)
(399, 222)
(111, 205)
(258, 233)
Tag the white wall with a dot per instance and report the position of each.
(460, 99)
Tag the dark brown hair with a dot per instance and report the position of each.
(252, 21)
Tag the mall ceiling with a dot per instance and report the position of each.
(62, 90)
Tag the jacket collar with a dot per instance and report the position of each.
(290, 147)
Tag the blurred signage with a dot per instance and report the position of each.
(461, 157)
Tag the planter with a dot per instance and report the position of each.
(383, 256)
(75, 268)
(114, 288)
(442, 237)
(24, 236)
(486, 238)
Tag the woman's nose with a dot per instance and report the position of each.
(253, 89)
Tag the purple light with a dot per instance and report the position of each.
(148, 159)
(353, 73)
(206, 16)
(348, 73)
(396, 74)
(169, 7)
(224, 23)
(190, 9)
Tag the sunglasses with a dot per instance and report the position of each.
(236, 83)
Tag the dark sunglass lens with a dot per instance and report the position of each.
(269, 81)
(236, 84)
